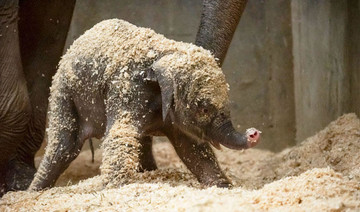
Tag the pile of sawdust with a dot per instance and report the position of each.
(323, 173)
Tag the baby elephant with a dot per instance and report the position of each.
(127, 84)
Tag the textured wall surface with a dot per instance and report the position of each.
(354, 53)
(258, 65)
(326, 62)
(259, 69)
(293, 66)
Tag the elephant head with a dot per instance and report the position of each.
(195, 100)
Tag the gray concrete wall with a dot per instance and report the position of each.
(326, 62)
(258, 66)
(354, 53)
(259, 69)
(292, 65)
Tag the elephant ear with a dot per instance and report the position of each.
(161, 75)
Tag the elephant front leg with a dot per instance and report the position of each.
(200, 160)
(121, 153)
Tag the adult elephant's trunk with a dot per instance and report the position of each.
(227, 136)
(217, 26)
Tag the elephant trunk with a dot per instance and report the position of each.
(227, 136)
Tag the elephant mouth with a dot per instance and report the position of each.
(215, 144)
(199, 135)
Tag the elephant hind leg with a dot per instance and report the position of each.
(63, 145)
(146, 158)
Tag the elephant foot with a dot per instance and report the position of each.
(149, 166)
(19, 175)
(224, 184)
(218, 182)
(2, 185)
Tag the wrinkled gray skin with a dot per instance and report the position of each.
(30, 51)
(32, 38)
(190, 126)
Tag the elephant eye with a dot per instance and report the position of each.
(205, 110)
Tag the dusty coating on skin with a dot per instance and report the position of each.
(317, 186)
(66, 122)
(121, 153)
(109, 57)
(206, 80)
(120, 44)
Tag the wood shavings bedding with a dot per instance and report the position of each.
(307, 177)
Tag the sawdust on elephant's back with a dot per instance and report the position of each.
(120, 44)
(315, 182)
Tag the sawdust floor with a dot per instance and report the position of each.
(321, 174)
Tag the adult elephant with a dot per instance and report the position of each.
(32, 38)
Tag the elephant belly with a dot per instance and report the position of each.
(91, 112)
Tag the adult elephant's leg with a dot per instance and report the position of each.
(43, 29)
(219, 20)
(14, 101)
